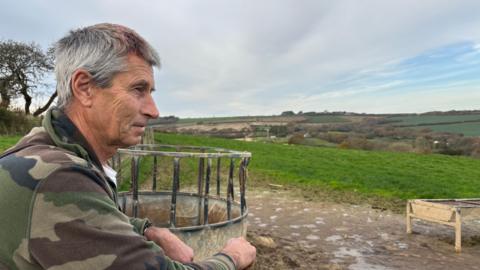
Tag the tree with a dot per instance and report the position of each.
(288, 113)
(22, 69)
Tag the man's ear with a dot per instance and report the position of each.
(81, 84)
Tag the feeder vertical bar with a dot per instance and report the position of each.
(230, 190)
(112, 162)
(176, 179)
(124, 204)
(247, 161)
(230, 180)
(242, 179)
(218, 177)
(201, 169)
(119, 169)
(135, 173)
(154, 173)
(207, 191)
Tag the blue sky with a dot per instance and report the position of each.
(244, 57)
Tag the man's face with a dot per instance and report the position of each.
(119, 113)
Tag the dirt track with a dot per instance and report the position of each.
(292, 233)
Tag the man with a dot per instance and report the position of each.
(57, 193)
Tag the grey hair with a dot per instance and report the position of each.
(101, 50)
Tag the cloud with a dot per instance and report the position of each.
(256, 57)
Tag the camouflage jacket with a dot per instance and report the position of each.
(58, 209)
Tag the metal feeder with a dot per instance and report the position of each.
(203, 220)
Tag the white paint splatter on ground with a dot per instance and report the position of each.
(295, 226)
(319, 220)
(273, 217)
(312, 237)
(357, 237)
(278, 209)
(333, 238)
(385, 236)
(310, 226)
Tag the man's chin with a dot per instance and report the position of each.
(132, 141)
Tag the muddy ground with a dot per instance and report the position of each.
(291, 232)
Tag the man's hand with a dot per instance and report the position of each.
(174, 248)
(241, 251)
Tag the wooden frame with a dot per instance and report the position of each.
(449, 212)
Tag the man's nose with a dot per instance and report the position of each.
(149, 108)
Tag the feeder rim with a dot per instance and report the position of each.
(218, 152)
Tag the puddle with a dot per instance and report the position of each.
(360, 262)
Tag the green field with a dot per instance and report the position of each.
(384, 174)
(468, 129)
(320, 119)
(412, 120)
(468, 125)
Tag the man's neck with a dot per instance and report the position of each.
(103, 151)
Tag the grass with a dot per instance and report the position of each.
(306, 141)
(8, 141)
(386, 175)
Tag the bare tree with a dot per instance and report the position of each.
(22, 70)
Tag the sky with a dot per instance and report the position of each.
(245, 57)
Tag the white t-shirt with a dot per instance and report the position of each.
(111, 173)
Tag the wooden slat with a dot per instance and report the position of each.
(452, 224)
(432, 212)
(432, 204)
